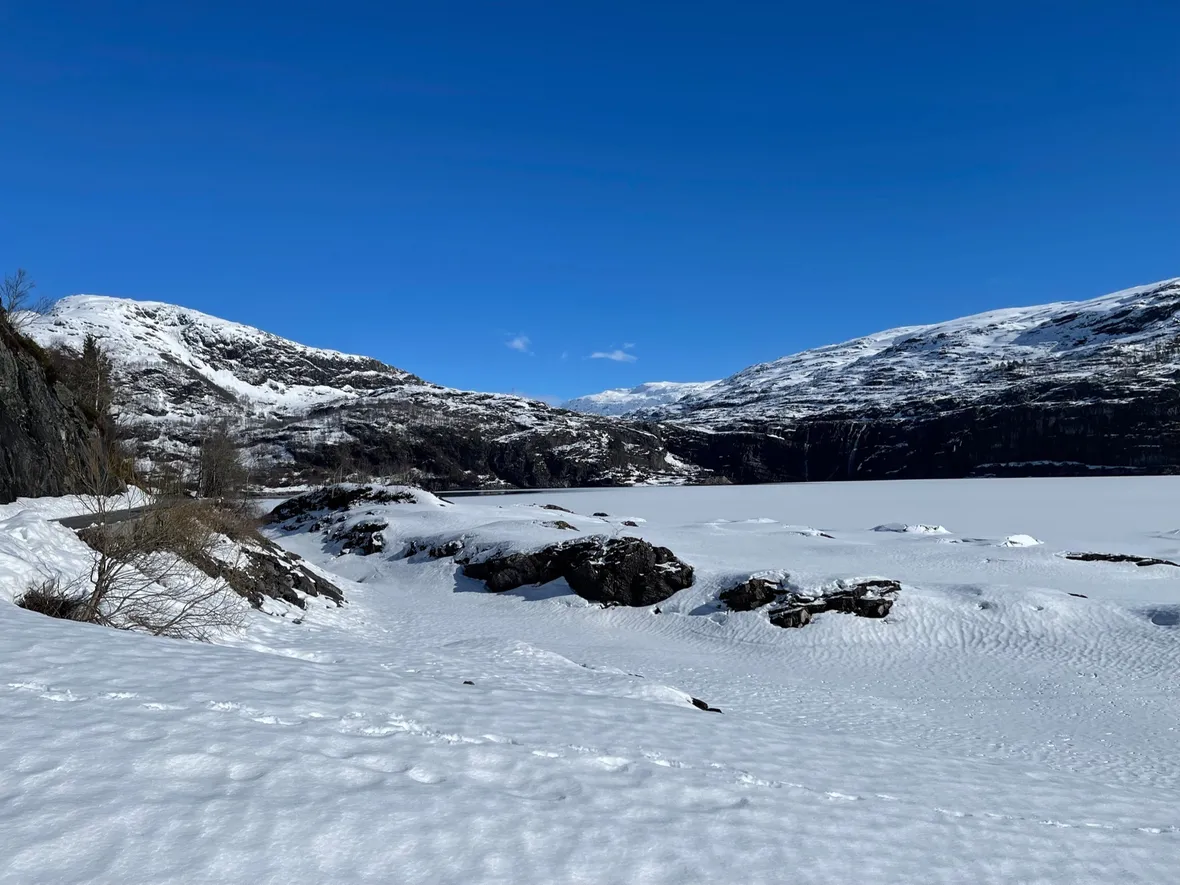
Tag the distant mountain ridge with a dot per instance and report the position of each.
(1066, 388)
(1131, 338)
(631, 400)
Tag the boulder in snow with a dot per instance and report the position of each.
(613, 571)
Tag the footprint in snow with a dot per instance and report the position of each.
(423, 776)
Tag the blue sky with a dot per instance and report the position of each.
(489, 194)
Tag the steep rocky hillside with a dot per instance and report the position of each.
(43, 433)
(1074, 387)
(1069, 388)
(304, 411)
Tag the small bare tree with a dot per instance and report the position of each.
(220, 471)
(17, 302)
(143, 573)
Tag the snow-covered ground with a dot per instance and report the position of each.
(994, 728)
(72, 505)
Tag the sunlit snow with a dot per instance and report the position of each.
(1013, 720)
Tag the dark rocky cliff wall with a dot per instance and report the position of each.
(985, 439)
(43, 434)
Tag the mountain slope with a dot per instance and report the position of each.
(302, 410)
(630, 400)
(1071, 388)
(1131, 337)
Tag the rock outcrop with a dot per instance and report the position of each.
(611, 571)
(789, 607)
(43, 433)
(265, 570)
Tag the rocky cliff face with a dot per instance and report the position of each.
(1070, 388)
(43, 434)
(303, 412)
(1060, 389)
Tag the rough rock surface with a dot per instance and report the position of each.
(43, 433)
(362, 538)
(751, 594)
(612, 571)
(1120, 557)
(1060, 389)
(871, 598)
(266, 571)
(303, 412)
(340, 496)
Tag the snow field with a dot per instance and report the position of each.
(993, 728)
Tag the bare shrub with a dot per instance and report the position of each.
(51, 597)
(220, 471)
(17, 301)
(142, 573)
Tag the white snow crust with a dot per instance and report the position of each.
(995, 728)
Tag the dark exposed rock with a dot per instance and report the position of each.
(751, 594)
(1063, 431)
(701, 705)
(390, 422)
(600, 514)
(43, 432)
(1080, 595)
(515, 570)
(1085, 389)
(630, 523)
(338, 497)
(270, 571)
(790, 616)
(468, 682)
(1120, 557)
(560, 524)
(612, 571)
(364, 538)
(435, 551)
(626, 571)
(555, 507)
(442, 551)
(867, 599)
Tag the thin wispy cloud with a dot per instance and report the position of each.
(518, 343)
(619, 356)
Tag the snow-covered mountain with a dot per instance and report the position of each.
(1127, 341)
(1067, 388)
(301, 408)
(182, 359)
(630, 400)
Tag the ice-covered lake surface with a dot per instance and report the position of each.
(994, 728)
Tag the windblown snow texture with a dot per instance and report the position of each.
(1013, 719)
